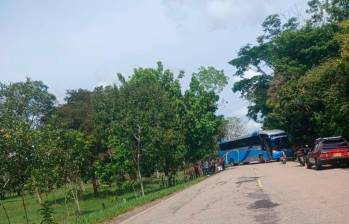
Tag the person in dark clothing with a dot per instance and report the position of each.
(213, 167)
(196, 170)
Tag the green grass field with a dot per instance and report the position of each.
(107, 205)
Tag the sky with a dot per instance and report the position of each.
(83, 43)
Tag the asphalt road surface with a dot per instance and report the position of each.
(258, 193)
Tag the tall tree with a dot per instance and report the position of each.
(23, 108)
(139, 112)
(295, 94)
(87, 111)
(201, 126)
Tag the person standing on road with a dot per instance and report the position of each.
(283, 157)
(196, 170)
(213, 166)
(206, 168)
(221, 162)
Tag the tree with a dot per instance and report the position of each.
(46, 212)
(316, 10)
(106, 164)
(211, 78)
(74, 151)
(201, 126)
(77, 112)
(258, 59)
(338, 10)
(47, 160)
(158, 128)
(24, 106)
(90, 113)
(28, 101)
(139, 109)
(306, 78)
(315, 98)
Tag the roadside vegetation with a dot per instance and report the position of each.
(111, 202)
(106, 150)
(109, 149)
(301, 73)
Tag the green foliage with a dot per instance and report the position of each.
(77, 112)
(325, 11)
(212, 79)
(17, 155)
(27, 101)
(201, 126)
(338, 10)
(306, 90)
(115, 135)
(254, 90)
(46, 213)
(116, 202)
(297, 51)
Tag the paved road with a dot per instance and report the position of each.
(262, 193)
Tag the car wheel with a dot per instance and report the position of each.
(317, 165)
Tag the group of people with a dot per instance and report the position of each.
(213, 166)
(207, 168)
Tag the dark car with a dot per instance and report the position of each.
(330, 150)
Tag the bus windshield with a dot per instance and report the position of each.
(280, 142)
(277, 141)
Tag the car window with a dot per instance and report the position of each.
(337, 143)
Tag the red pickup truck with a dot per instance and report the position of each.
(330, 150)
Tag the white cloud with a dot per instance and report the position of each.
(230, 14)
(222, 14)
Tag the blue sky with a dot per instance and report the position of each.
(82, 43)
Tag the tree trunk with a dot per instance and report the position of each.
(76, 199)
(169, 180)
(6, 214)
(138, 161)
(162, 181)
(38, 195)
(134, 191)
(36, 190)
(140, 179)
(95, 185)
(25, 209)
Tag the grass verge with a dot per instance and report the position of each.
(94, 209)
(118, 209)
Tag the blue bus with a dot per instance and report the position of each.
(259, 146)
